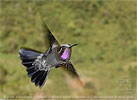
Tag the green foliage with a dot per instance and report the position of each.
(104, 30)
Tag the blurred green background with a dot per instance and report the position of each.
(104, 30)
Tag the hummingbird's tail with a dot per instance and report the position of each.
(32, 59)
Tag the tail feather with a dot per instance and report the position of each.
(28, 56)
(35, 75)
(39, 78)
(28, 65)
(31, 71)
(43, 79)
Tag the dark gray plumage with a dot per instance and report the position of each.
(38, 64)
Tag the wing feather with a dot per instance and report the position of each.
(49, 38)
(69, 68)
(33, 60)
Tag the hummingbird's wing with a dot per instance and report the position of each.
(50, 39)
(68, 67)
(33, 61)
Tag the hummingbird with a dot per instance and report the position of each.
(38, 64)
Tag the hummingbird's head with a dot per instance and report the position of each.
(65, 51)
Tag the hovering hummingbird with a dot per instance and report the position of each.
(38, 64)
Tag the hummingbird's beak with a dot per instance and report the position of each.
(73, 45)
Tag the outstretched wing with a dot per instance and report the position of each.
(49, 38)
(68, 67)
(34, 63)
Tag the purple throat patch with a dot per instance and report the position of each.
(66, 54)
